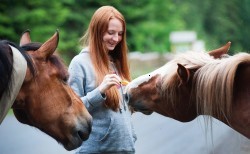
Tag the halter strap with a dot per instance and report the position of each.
(17, 78)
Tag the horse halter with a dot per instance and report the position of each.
(17, 77)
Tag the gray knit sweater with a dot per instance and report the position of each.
(112, 132)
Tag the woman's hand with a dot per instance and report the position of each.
(109, 81)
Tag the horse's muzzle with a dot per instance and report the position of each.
(85, 132)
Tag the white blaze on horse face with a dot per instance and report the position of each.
(162, 71)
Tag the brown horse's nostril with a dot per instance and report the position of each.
(126, 97)
(90, 126)
(84, 135)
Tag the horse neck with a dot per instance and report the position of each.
(178, 104)
(214, 86)
(241, 107)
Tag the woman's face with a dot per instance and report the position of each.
(114, 34)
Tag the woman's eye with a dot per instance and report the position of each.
(110, 32)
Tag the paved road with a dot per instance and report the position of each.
(156, 135)
(161, 135)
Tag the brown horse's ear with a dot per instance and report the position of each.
(217, 53)
(183, 73)
(158, 81)
(25, 38)
(49, 47)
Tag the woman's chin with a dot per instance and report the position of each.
(110, 48)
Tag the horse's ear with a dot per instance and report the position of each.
(49, 47)
(25, 38)
(217, 53)
(183, 73)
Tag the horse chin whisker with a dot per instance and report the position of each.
(142, 109)
(73, 143)
(147, 112)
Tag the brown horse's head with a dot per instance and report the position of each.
(197, 83)
(46, 101)
(167, 90)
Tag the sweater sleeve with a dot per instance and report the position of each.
(77, 81)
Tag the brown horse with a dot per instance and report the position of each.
(197, 83)
(34, 80)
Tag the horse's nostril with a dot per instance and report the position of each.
(83, 135)
(90, 125)
(126, 97)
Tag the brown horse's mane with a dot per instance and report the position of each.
(7, 65)
(171, 82)
(212, 84)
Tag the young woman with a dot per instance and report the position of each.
(96, 74)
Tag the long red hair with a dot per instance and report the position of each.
(93, 38)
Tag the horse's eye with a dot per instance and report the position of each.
(65, 80)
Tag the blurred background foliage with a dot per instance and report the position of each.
(149, 22)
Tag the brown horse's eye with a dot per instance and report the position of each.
(65, 80)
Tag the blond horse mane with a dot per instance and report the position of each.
(213, 81)
(213, 85)
(171, 82)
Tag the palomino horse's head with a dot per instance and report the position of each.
(164, 89)
(46, 101)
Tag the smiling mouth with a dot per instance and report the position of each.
(112, 45)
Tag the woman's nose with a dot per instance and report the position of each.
(115, 37)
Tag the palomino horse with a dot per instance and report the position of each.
(197, 83)
(33, 82)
